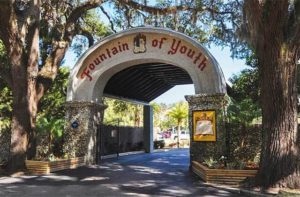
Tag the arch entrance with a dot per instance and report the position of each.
(140, 64)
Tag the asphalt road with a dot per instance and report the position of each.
(156, 174)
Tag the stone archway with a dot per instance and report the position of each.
(120, 51)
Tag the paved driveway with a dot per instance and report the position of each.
(157, 174)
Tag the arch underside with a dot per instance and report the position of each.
(145, 82)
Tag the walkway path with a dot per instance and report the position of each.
(157, 174)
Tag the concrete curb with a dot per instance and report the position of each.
(245, 192)
(254, 193)
(242, 192)
(288, 193)
(133, 153)
(122, 154)
(161, 150)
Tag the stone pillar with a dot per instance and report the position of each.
(148, 129)
(82, 119)
(199, 151)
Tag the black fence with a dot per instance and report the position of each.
(114, 139)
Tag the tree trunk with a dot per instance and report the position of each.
(24, 118)
(32, 73)
(178, 133)
(32, 108)
(137, 118)
(274, 34)
(23, 53)
(20, 119)
(279, 165)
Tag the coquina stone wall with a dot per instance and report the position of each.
(5, 144)
(204, 150)
(82, 119)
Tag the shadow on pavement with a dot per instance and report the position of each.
(159, 174)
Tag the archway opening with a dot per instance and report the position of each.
(140, 84)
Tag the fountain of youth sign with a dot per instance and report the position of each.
(142, 44)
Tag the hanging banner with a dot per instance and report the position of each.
(204, 126)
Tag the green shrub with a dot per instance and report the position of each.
(210, 162)
(49, 137)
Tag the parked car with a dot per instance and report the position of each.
(159, 136)
(159, 144)
(184, 135)
(166, 134)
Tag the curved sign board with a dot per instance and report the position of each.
(143, 45)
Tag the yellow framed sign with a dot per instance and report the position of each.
(204, 126)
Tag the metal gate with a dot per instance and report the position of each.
(112, 140)
(108, 140)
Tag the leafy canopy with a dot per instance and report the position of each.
(179, 112)
(245, 102)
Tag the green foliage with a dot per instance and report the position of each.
(179, 112)
(50, 121)
(123, 113)
(244, 106)
(51, 117)
(210, 162)
(167, 116)
(236, 165)
(245, 85)
(156, 107)
(49, 135)
(298, 84)
(120, 106)
(53, 127)
(245, 142)
(168, 123)
(3, 57)
(160, 118)
(90, 22)
(5, 120)
(207, 21)
(243, 111)
(90, 26)
(52, 104)
(130, 114)
(5, 106)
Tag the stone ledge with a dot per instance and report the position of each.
(75, 104)
(288, 192)
(207, 98)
